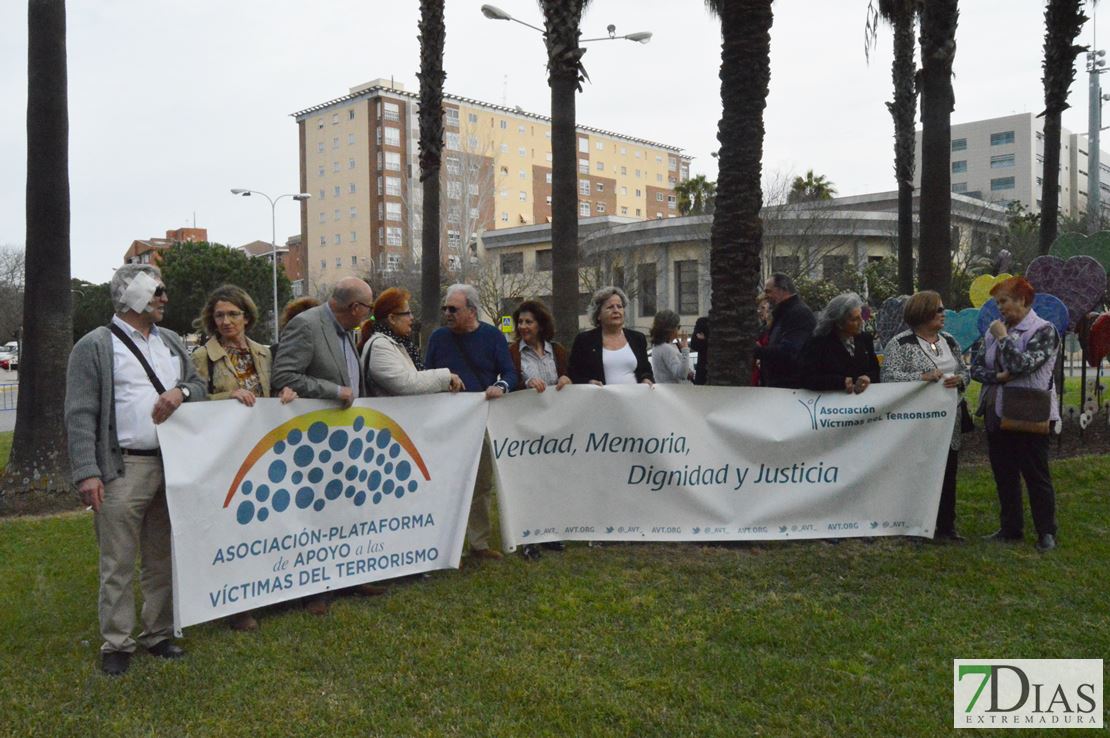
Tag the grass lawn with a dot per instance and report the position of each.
(5, 448)
(798, 639)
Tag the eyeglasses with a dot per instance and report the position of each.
(363, 304)
(159, 291)
(401, 315)
(940, 310)
(229, 315)
(448, 309)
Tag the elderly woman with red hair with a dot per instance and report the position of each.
(1016, 363)
(391, 360)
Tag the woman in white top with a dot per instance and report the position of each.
(610, 353)
(669, 363)
(390, 360)
(925, 353)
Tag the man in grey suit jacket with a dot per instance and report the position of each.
(111, 408)
(317, 357)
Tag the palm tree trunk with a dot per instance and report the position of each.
(432, 36)
(736, 239)
(902, 110)
(938, 49)
(37, 460)
(1063, 20)
(561, 22)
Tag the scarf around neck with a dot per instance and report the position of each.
(405, 343)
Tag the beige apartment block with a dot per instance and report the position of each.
(359, 161)
(1001, 160)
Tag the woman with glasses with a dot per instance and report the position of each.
(925, 353)
(234, 366)
(390, 359)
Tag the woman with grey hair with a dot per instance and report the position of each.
(840, 356)
(669, 362)
(610, 353)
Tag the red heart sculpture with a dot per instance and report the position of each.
(1098, 344)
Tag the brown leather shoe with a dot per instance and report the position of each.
(486, 553)
(316, 605)
(369, 590)
(243, 622)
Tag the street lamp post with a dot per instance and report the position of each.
(564, 74)
(1096, 65)
(300, 197)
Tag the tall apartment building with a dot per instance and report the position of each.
(1002, 160)
(359, 161)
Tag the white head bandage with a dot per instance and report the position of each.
(139, 292)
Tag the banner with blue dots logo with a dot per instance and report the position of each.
(279, 501)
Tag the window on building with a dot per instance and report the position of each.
(639, 193)
(335, 142)
(645, 277)
(472, 117)
(354, 237)
(601, 166)
(354, 212)
(323, 217)
(453, 142)
(600, 207)
(338, 239)
(323, 264)
(451, 116)
(322, 194)
(472, 189)
(833, 265)
(584, 209)
(523, 174)
(319, 122)
(1002, 183)
(1003, 138)
(584, 187)
(584, 166)
(393, 186)
(454, 190)
(686, 287)
(320, 148)
(393, 136)
(337, 191)
(521, 129)
(584, 145)
(350, 163)
(323, 240)
(523, 196)
(335, 166)
(659, 197)
(659, 178)
(393, 236)
(624, 190)
(334, 118)
(600, 187)
(788, 265)
(637, 173)
(454, 239)
(393, 211)
(959, 187)
(512, 263)
(959, 144)
(548, 199)
(504, 217)
(959, 167)
(547, 177)
(320, 171)
(624, 210)
(338, 215)
(504, 124)
(543, 260)
(351, 114)
(350, 139)
(352, 188)
(393, 161)
(1002, 161)
(522, 151)
(454, 215)
(599, 145)
(391, 111)
(452, 163)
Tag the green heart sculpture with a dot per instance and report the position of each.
(1097, 247)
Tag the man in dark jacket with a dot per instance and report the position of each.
(792, 323)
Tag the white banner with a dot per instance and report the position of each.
(683, 463)
(280, 501)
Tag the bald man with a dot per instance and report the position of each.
(317, 358)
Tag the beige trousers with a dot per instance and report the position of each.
(133, 521)
(478, 525)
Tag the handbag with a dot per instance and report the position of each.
(967, 424)
(1026, 409)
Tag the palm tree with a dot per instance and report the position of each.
(810, 188)
(901, 14)
(38, 460)
(1063, 20)
(565, 74)
(938, 49)
(695, 196)
(736, 238)
(431, 76)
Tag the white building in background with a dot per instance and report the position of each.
(1002, 159)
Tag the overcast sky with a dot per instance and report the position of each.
(173, 103)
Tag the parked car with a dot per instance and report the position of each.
(11, 363)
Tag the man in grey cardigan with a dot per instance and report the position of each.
(111, 410)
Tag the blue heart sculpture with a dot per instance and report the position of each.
(1047, 306)
(964, 326)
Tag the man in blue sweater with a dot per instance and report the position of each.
(479, 355)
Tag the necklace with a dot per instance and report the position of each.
(934, 346)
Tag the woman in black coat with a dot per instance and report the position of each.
(610, 353)
(840, 356)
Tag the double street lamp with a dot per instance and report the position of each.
(300, 196)
(494, 13)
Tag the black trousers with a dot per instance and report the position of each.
(946, 512)
(1015, 456)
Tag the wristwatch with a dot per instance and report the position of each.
(185, 391)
